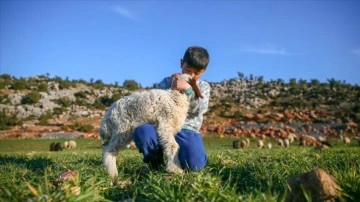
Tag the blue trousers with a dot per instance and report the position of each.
(192, 154)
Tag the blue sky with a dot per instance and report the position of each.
(145, 40)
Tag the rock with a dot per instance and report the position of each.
(273, 93)
(319, 185)
(68, 176)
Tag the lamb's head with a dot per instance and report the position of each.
(192, 83)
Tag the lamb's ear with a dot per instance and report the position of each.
(192, 83)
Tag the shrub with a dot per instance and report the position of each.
(20, 84)
(58, 110)
(81, 98)
(64, 102)
(5, 80)
(83, 127)
(116, 96)
(81, 102)
(106, 101)
(31, 98)
(7, 121)
(80, 94)
(64, 84)
(44, 119)
(98, 105)
(356, 108)
(43, 87)
(238, 115)
(4, 99)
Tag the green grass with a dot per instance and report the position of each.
(28, 170)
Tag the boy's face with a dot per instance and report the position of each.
(191, 71)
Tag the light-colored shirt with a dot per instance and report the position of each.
(198, 106)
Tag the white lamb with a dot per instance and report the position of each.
(261, 144)
(66, 144)
(286, 143)
(166, 109)
(72, 144)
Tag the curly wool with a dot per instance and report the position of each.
(166, 109)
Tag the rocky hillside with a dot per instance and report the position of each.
(244, 106)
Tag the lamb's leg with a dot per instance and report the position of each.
(171, 148)
(109, 160)
(109, 153)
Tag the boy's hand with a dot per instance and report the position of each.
(179, 83)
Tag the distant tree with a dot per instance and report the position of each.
(131, 85)
(292, 81)
(82, 81)
(251, 77)
(57, 78)
(333, 83)
(280, 81)
(98, 84)
(5, 77)
(260, 79)
(241, 75)
(314, 82)
(302, 81)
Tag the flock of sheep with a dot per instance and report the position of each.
(304, 140)
(67, 145)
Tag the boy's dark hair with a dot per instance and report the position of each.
(196, 57)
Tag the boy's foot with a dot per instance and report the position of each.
(156, 162)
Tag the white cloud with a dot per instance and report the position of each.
(267, 50)
(356, 51)
(126, 13)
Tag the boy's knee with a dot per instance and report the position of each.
(144, 132)
(145, 137)
(197, 165)
(195, 162)
(143, 129)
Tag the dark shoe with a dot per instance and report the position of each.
(156, 160)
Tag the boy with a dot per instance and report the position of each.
(192, 154)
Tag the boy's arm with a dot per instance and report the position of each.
(198, 106)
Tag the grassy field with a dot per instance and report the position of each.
(28, 170)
